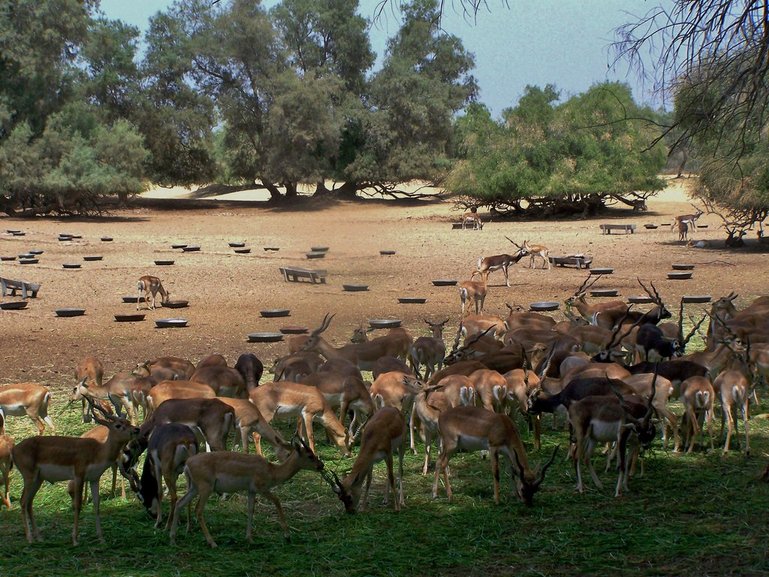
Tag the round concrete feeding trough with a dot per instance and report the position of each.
(71, 265)
(271, 249)
(294, 330)
(640, 300)
(28, 261)
(170, 323)
(604, 293)
(65, 237)
(93, 258)
(696, 298)
(242, 250)
(351, 288)
(236, 244)
(387, 252)
(597, 271)
(265, 337)
(7, 258)
(13, 305)
(69, 312)
(444, 282)
(318, 249)
(412, 300)
(179, 245)
(164, 262)
(682, 266)
(275, 313)
(176, 304)
(679, 275)
(545, 306)
(129, 318)
(132, 299)
(384, 323)
(18, 233)
(106, 239)
(650, 226)
(315, 254)
(36, 251)
(191, 248)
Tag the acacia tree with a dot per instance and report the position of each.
(713, 58)
(548, 157)
(61, 149)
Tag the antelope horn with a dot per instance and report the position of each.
(543, 470)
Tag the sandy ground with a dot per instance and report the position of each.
(226, 291)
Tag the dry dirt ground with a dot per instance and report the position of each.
(226, 291)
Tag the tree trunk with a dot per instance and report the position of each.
(347, 190)
(290, 189)
(273, 190)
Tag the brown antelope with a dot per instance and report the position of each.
(6, 463)
(170, 445)
(641, 384)
(28, 399)
(697, 396)
(287, 399)
(295, 366)
(609, 418)
(165, 368)
(473, 325)
(472, 217)
(90, 369)
(57, 458)
(119, 390)
(227, 472)
(251, 369)
(362, 354)
(397, 389)
(381, 438)
(475, 291)
(150, 286)
(489, 264)
(225, 381)
(721, 311)
(101, 434)
(458, 368)
(248, 419)
(212, 360)
(490, 389)
(733, 389)
(401, 340)
(344, 391)
(520, 384)
(166, 390)
(213, 418)
(475, 429)
(588, 311)
(429, 351)
(683, 230)
(428, 406)
(689, 220)
(537, 250)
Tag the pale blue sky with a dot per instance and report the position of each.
(564, 42)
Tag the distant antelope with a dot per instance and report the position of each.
(473, 217)
(537, 250)
(473, 290)
(151, 286)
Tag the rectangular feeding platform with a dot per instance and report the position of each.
(293, 274)
(626, 228)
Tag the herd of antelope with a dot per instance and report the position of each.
(609, 369)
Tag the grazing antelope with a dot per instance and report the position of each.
(213, 418)
(589, 311)
(248, 419)
(287, 399)
(473, 290)
(101, 434)
(57, 458)
(150, 286)
(697, 396)
(429, 351)
(346, 391)
(227, 472)
(165, 368)
(382, 437)
(733, 390)
(119, 390)
(28, 399)
(537, 250)
(6, 463)
(397, 389)
(489, 264)
(166, 390)
(225, 381)
(609, 418)
(170, 445)
(475, 429)
(251, 369)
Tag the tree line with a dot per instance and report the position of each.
(232, 92)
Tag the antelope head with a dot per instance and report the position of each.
(314, 338)
(527, 481)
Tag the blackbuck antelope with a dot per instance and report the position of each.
(225, 381)
(101, 434)
(689, 220)
(211, 417)
(609, 418)
(28, 399)
(652, 345)
(472, 218)
(344, 390)
(589, 311)
(537, 250)
(149, 286)
(383, 437)
(90, 369)
(429, 351)
(249, 421)
(286, 399)
(721, 311)
(165, 368)
(56, 458)
(489, 264)
(397, 389)
(226, 472)
(697, 396)
(169, 448)
(475, 291)
(476, 429)
(166, 390)
(251, 369)
(362, 354)
(119, 391)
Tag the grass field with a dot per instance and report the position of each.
(700, 514)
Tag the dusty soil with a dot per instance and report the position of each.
(226, 291)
